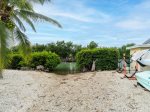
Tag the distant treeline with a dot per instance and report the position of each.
(65, 50)
(68, 50)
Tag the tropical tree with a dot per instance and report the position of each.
(38, 48)
(92, 45)
(62, 48)
(12, 13)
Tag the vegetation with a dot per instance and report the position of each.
(92, 45)
(64, 49)
(47, 56)
(106, 58)
(16, 61)
(12, 12)
(47, 59)
(124, 50)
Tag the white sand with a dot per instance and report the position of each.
(29, 91)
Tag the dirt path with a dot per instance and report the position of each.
(30, 91)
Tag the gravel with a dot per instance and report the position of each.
(31, 91)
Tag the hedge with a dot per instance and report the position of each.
(47, 59)
(106, 58)
(16, 61)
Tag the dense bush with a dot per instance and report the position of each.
(16, 61)
(47, 59)
(84, 59)
(106, 58)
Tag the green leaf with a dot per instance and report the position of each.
(23, 41)
(36, 17)
(19, 22)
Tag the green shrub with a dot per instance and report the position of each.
(23, 63)
(47, 59)
(52, 61)
(84, 59)
(106, 58)
(15, 61)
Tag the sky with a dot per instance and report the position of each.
(110, 23)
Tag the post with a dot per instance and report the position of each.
(136, 67)
(93, 66)
(124, 65)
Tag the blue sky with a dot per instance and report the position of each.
(107, 22)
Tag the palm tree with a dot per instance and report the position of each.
(12, 13)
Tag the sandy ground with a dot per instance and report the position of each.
(30, 91)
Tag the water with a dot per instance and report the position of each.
(66, 68)
(71, 67)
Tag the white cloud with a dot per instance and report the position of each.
(132, 24)
(72, 16)
(74, 10)
(40, 34)
(137, 19)
(83, 22)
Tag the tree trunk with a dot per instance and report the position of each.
(1, 75)
(93, 66)
(0, 5)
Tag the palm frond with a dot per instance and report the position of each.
(40, 1)
(29, 22)
(25, 18)
(21, 4)
(19, 22)
(23, 41)
(28, 6)
(16, 11)
(25, 3)
(36, 17)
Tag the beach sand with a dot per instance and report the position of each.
(31, 91)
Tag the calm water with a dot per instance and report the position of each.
(66, 68)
